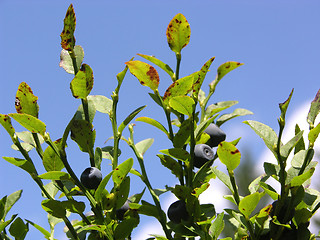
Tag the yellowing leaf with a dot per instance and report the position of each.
(178, 33)
(146, 74)
(82, 83)
(26, 102)
(67, 38)
(229, 155)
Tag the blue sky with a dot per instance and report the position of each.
(278, 42)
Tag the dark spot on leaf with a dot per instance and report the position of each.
(152, 73)
(117, 169)
(235, 151)
(142, 82)
(238, 63)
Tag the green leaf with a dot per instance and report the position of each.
(121, 171)
(268, 135)
(217, 226)
(314, 109)
(286, 149)
(202, 126)
(183, 135)
(129, 118)
(80, 114)
(3, 225)
(54, 207)
(74, 206)
(154, 123)
(223, 178)
(201, 76)
(146, 209)
(300, 144)
(218, 107)
(313, 134)
(283, 107)
(31, 123)
(145, 73)
(10, 201)
(204, 175)
(179, 88)
(229, 155)
(99, 191)
(178, 33)
(51, 160)
(125, 227)
(98, 157)
(298, 159)
(171, 164)
(18, 229)
(121, 75)
(82, 84)
(159, 63)
(101, 103)
(182, 104)
(83, 134)
(271, 169)
(269, 190)
(123, 192)
(66, 61)
(236, 113)
(67, 38)
(5, 121)
(225, 68)
(249, 203)
(45, 233)
(55, 175)
(299, 180)
(178, 153)
(144, 145)
(26, 101)
(22, 163)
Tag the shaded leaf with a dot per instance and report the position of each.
(218, 107)
(300, 144)
(182, 104)
(26, 101)
(45, 233)
(146, 74)
(178, 153)
(100, 190)
(171, 164)
(286, 149)
(31, 123)
(18, 229)
(183, 135)
(83, 134)
(51, 160)
(66, 61)
(10, 201)
(178, 33)
(217, 226)
(159, 63)
(67, 38)
(82, 84)
(3, 225)
(74, 206)
(225, 68)
(154, 123)
(223, 178)
(54, 207)
(313, 134)
(229, 155)
(269, 190)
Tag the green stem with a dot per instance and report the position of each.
(162, 217)
(192, 145)
(234, 187)
(282, 163)
(38, 145)
(74, 61)
(178, 57)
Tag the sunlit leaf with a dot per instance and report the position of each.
(11, 200)
(283, 107)
(121, 171)
(182, 104)
(314, 109)
(159, 63)
(51, 160)
(82, 84)
(26, 101)
(144, 145)
(29, 122)
(55, 175)
(299, 180)
(154, 123)
(236, 113)
(201, 76)
(179, 88)
(54, 207)
(268, 135)
(249, 203)
(178, 153)
(66, 61)
(286, 149)
(146, 74)
(217, 226)
(67, 36)
(229, 155)
(5, 121)
(218, 107)
(129, 118)
(313, 134)
(22, 163)
(225, 68)
(178, 33)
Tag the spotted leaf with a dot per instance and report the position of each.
(67, 36)
(26, 102)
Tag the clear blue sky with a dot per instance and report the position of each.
(278, 42)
